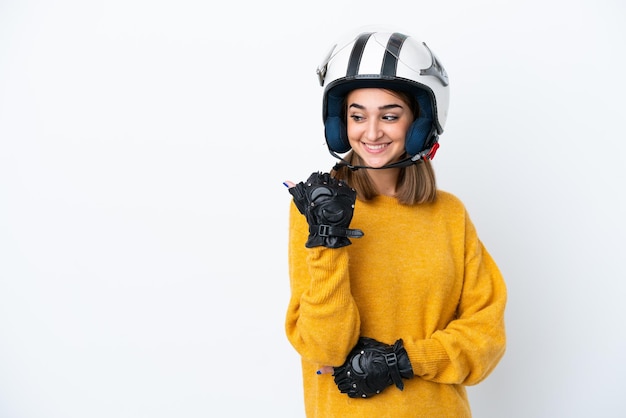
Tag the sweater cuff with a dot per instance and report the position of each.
(428, 358)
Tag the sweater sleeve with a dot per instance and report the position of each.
(322, 321)
(468, 349)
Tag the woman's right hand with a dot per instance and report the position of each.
(328, 205)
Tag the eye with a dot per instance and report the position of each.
(357, 118)
(391, 118)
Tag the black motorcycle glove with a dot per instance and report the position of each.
(328, 205)
(371, 367)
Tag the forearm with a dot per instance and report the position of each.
(322, 320)
(456, 355)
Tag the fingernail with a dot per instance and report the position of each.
(319, 372)
(285, 184)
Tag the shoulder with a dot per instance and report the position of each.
(449, 200)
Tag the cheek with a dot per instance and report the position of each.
(353, 131)
(399, 134)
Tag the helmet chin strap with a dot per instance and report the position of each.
(428, 153)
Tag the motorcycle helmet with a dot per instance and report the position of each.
(385, 59)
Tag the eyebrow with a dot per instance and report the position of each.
(385, 107)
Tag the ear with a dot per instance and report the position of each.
(336, 135)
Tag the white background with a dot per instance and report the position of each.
(143, 221)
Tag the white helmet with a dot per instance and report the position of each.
(385, 60)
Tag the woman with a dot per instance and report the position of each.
(395, 304)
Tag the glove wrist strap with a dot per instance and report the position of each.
(392, 363)
(335, 231)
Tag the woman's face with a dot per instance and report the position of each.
(377, 122)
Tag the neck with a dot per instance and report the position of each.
(385, 180)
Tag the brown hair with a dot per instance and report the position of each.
(416, 183)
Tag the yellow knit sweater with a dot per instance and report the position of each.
(420, 273)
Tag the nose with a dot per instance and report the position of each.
(373, 130)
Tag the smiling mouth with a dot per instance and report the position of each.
(375, 147)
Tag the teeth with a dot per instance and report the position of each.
(375, 147)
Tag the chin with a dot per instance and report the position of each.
(376, 164)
